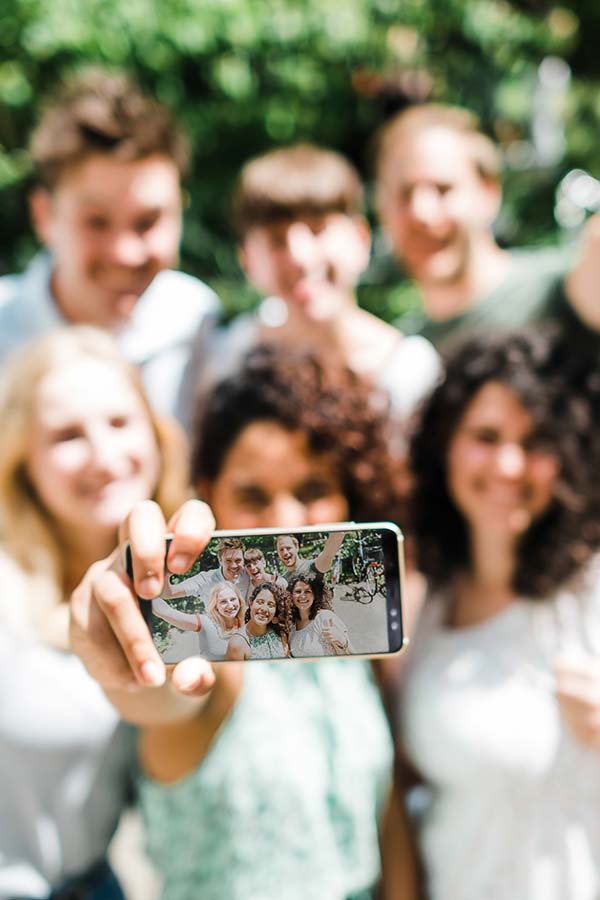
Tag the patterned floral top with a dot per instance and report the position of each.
(264, 646)
(285, 805)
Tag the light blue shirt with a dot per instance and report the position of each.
(160, 337)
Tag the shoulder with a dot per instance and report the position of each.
(541, 260)
(25, 306)
(413, 371)
(188, 294)
(19, 595)
(322, 617)
(240, 638)
(11, 287)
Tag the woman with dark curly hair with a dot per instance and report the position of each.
(267, 629)
(325, 414)
(500, 711)
(317, 630)
(290, 440)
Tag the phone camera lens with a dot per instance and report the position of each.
(394, 626)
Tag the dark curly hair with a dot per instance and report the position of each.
(341, 414)
(283, 625)
(321, 590)
(560, 390)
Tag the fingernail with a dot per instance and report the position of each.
(181, 561)
(189, 673)
(149, 585)
(152, 674)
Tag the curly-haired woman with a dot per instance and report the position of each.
(266, 633)
(317, 630)
(500, 706)
(289, 440)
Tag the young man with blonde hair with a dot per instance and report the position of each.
(438, 193)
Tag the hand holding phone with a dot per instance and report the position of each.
(109, 634)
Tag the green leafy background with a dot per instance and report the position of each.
(244, 75)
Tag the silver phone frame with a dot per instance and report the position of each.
(329, 527)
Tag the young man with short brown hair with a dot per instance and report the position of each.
(108, 162)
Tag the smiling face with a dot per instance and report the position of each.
(434, 204)
(255, 567)
(287, 550)
(111, 226)
(311, 262)
(228, 603)
(270, 477)
(263, 608)
(303, 596)
(232, 563)
(500, 478)
(92, 452)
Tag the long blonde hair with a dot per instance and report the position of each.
(28, 534)
(214, 613)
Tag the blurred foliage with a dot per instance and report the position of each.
(244, 75)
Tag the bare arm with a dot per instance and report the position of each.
(582, 284)
(181, 620)
(332, 545)
(399, 860)
(335, 633)
(578, 694)
(183, 588)
(238, 648)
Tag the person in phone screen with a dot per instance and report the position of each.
(500, 699)
(224, 618)
(301, 816)
(230, 554)
(288, 550)
(317, 630)
(266, 633)
(80, 446)
(256, 569)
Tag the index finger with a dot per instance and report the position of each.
(145, 529)
(192, 527)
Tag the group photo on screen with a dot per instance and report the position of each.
(276, 596)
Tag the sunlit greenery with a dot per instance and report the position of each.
(244, 75)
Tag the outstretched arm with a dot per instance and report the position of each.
(582, 284)
(181, 620)
(332, 545)
(185, 588)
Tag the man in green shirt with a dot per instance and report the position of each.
(438, 193)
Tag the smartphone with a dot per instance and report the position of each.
(327, 590)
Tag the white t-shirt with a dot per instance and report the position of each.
(213, 640)
(515, 805)
(310, 641)
(201, 585)
(65, 763)
(410, 372)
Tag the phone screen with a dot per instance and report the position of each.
(274, 595)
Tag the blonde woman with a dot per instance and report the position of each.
(226, 609)
(80, 446)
